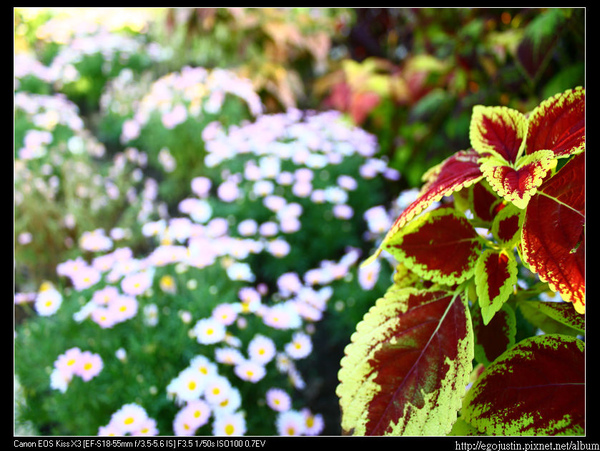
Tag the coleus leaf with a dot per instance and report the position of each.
(558, 124)
(456, 172)
(553, 235)
(519, 181)
(553, 317)
(499, 131)
(517, 152)
(506, 227)
(462, 428)
(362, 104)
(484, 202)
(408, 364)
(537, 387)
(495, 276)
(440, 246)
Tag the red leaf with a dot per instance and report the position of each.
(407, 367)
(535, 388)
(484, 202)
(456, 172)
(497, 336)
(496, 268)
(339, 97)
(506, 227)
(441, 246)
(518, 184)
(499, 131)
(553, 237)
(362, 104)
(558, 124)
(495, 275)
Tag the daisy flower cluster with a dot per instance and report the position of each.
(230, 283)
(31, 75)
(62, 183)
(131, 419)
(41, 117)
(248, 337)
(206, 323)
(297, 181)
(236, 341)
(67, 24)
(98, 56)
(119, 102)
(82, 51)
(74, 362)
(193, 91)
(168, 119)
(202, 393)
(289, 421)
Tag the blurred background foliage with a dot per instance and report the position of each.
(409, 75)
(414, 74)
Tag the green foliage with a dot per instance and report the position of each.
(437, 64)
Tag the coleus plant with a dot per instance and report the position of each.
(457, 316)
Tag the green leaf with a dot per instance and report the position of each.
(535, 388)
(408, 364)
(462, 428)
(495, 276)
(553, 317)
(440, 246)
(541, 36)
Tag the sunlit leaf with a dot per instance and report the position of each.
(462, 429)
(517, 184)
(553, 317)
(456, 172)
(495, 276)
(403, 277)
(537, 387)
(558, 124)
(553, 237)
(407, 367)
(499, 131)
(440, 246)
